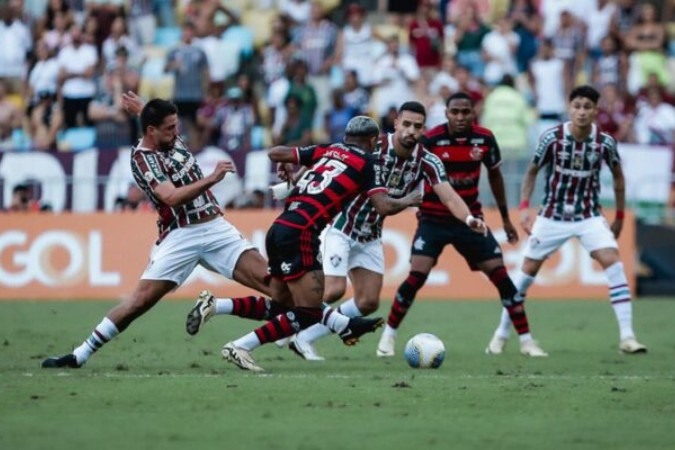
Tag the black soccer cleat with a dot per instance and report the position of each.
(56, 362)
(358, 326)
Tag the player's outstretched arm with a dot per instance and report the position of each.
(175, 196)
(387, 206)
(526, 220)
(619, 199)
(451, 199)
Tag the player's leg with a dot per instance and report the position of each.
(171, 262)
(597, 238)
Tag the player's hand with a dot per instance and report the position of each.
(511, 232)
(132, 103)
(414, 198)
(222, 168)
(526, 220)
(285, 172)
(477, 225)
(616, 227)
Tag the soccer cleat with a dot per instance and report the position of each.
(496, 345)
(240, 358)
(200, 313)
(632, 346)
(304, 349)
(385, 348)
(57, 362)
(531, 348)
(357, 327)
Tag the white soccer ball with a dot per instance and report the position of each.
(424, 351)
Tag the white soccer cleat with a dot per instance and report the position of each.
(385, 348)
(632, 346)
(203, 310)
(240, 358)
(496, 345)
(304, 349)
(531, 348)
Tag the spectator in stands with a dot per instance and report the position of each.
(275, 57)
(250, 96)
(206, 115)
(295, 130)
(235, 121)
(498, 49)
(58, 36)
(653, 82)
(527, 24)
(54, 8)
(114, 126)
(77, 70)
(624, 18)
(316, 42)
(356, 44)
(305, 92)
(614, 116)
(646, 40)
(142, 22)
(17, 42)
(456, 8)
(610, 65)
(468, 84)
(189, 65)
(426, 36)
(655, 120)
(42, 78)
(568, 43)
(103, 13)
(469, 33)
(355, 95)
(546, 78)
(337, 116)
(395, 74)
(298, 11)
(44, 122)
(118, 38)
(10, 117)
(599, 26)
(21, 200)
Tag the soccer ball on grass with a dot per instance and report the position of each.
(424, 351)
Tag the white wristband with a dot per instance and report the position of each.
(469, 219)
(281, 191)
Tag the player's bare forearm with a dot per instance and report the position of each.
(619, 188)
(499, 192)
(282, 154)
(452, 200)
(387, 206)
(177, 196)
(528, 183)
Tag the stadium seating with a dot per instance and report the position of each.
(76, 139)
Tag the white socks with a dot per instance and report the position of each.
(334, 320)
(103, 332)
(224, 306)
(318, 330)
(522, 281)
(619, 298)
(247, 342)
(389, 331)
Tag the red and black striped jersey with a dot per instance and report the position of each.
(337, 174)
(573, 171)
(178, 166)
(462, 156)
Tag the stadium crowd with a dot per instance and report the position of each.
(246, 74)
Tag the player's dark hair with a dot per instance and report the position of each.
(459, 96)
(585, 91)
(362, 126)
(415, 107)
(155, 111)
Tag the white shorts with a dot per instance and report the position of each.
(549, 235)
(342, 254)
(216, 245)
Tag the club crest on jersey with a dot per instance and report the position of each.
(476, 153)
(592, 156)
(335, 260)
(408, 177)
(286, 267)
(578, 161)
(148, 176)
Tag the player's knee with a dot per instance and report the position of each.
(332, 294)
(367, 305)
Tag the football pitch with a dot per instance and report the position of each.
(155, 387)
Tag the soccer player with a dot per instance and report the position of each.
(572, 154)
(337, 174)
(462, 147)
(191, 230)
(352, 245)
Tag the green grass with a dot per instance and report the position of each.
(156, 387)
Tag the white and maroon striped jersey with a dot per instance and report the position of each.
(178, 166)
(573, 171)
(400, 176)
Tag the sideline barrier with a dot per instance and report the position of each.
(101, 256)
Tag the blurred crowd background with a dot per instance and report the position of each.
(246, 74)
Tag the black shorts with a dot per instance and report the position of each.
(292, 252)
(431, 237)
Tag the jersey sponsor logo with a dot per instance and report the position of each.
(477, 141)
(574, 173)
(419, 243)
(443, 142)
(564, 142)
(178, 157)
(184, 171)
(335, 260)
